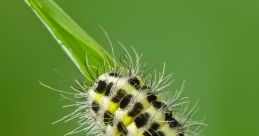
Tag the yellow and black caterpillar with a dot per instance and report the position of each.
(126, 107)
(130, 102)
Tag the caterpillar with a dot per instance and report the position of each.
(130, 108)
(129, 102)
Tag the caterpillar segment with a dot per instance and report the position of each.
(126, 107)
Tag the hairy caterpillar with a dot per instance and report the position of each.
(130, 108)
(128, 102)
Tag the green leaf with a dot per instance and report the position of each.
(86, 53)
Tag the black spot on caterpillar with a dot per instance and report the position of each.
(134, 81)
(107, 118)
(125, 101)
(158, 104)
(121, 128)
(95, 106)
(151, 97)
(138, 107)
(114, 74)
(145, 87)
(108, 89)
(181, 133)
(120, 94)
(152, 130)
(171, 121)
(154, 126)
(141, 120)
(100, 86)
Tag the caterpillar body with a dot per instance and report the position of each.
(129, 102)
(126, 107)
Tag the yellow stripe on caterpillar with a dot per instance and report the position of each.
(112, 107)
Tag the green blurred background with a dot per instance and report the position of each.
(214, 45)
